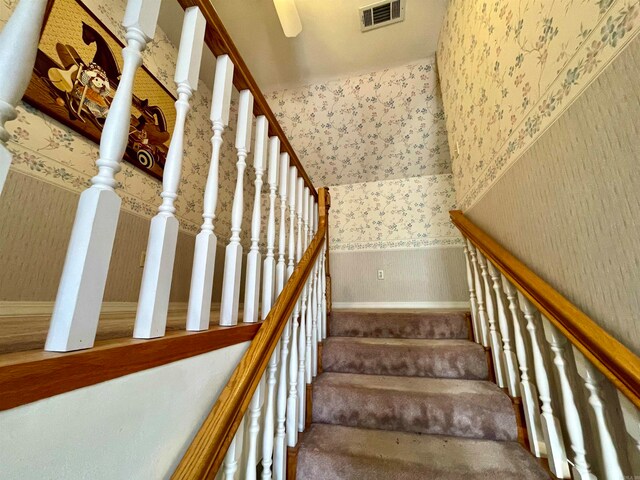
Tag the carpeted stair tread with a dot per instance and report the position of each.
(399, 324)
(405, 357)
(333, 452)
(465, 408)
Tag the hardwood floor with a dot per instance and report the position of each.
(20, 333)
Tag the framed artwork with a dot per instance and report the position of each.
(76, 74)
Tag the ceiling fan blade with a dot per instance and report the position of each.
(289, 17)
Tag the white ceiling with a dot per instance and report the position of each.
(330, 45)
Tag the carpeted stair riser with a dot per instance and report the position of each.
(399, 325)
(405, 357)
(464, 408)
(331, 452)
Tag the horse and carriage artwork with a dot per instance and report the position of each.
(76, 75)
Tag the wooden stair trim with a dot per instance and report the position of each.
(615, 361)
(26, 377)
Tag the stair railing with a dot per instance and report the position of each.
(270, 388)
(250, 395)
(575, 386)
(77, 307)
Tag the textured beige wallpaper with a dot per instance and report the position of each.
(410, 275)
(570, 207)
(35, 224)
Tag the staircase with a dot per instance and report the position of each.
(406, 395)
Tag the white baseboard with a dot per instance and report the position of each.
(37, 309)
(400, 305)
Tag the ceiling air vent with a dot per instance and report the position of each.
(381, 14)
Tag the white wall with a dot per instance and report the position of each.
(133, 427)
(432, 277)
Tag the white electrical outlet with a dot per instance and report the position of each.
(380, 274)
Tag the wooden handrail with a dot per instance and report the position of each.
(615, 361)
(206, 453)
(219, 42)
(29, 376)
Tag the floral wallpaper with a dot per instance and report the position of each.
(401, 213)
(383, 125)
(509, 68)
(51, 152)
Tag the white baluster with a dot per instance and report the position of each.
(295, 201)
(252, 283)
(269, 274)
(528, 389)
(483, 323)
(153, 302)
(574, 421)
(293, 400)
(631, 419)
(18, 48)
(509, 356)
(269, 412)
(281, 407)
(494, 335)
(254, 429)
(472, 294)
(281, 267)
(606, 445)
(204, 256)
(302, 338)
(550, 423)
(309, 328)
(233, 252)
(77, 308)
(323, 276)
(230, 466)
(301, 212)
(317, 327)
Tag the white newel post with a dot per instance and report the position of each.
(233, 253)
(575, 422)
(252, 282)
(494, 336)
(303, 218)
(77, 308)
(606, 444)
(551, 429)
(509, 356)
(269, 267)
(472, 293)
(483, 321)
(528, 390)
(18, 48)
(281, 267)
(204, 255)
(153, 302)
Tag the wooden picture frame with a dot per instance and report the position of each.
(76, 74)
